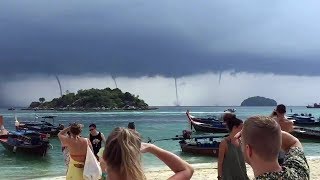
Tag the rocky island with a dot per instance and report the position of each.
(258, 101)
(92, 100)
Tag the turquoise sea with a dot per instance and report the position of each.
(165, 122)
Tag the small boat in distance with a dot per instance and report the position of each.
(315, 105)
(231, 110)
(27, 142)
(11, 109)
(209, 126)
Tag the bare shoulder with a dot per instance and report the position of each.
(223, 143)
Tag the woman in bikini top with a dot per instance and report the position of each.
(77, 147)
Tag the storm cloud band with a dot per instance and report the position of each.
(169, 38)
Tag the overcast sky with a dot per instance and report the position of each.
(158, 40)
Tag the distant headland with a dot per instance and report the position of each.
(92, 100)
(259, 101)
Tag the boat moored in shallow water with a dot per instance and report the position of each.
(304, 119)
(43, 126)
(27, 142)
(200, 145)
(205, 125)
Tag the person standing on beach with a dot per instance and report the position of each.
(261, 140)
(96, 139)
(123, 153)
(77, 147)
(285, 124)
(231, 164)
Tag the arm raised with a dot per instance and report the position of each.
(182, 169)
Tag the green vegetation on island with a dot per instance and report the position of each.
(93, 99)
(258, 101)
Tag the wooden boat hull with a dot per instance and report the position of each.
(309, 124)
(194, 149)
(205, 127)
(307, 134)
(53, 132)
(304, 120)
(37, 150)
(202, 120)
(208, 128)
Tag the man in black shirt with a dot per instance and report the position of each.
(96, 139)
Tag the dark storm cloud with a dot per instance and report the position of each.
(159, 38)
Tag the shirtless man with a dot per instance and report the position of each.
(285, 124)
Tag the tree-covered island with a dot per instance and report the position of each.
(92, 100)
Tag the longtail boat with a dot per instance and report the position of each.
(304, 120)
(212, 127)
(207, 149)
(43, 126)
(27, 142)
(206, 145)
(199, 145)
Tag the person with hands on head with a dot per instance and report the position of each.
(261, 139)
(123, 153)
(285, 124)
(77, 147)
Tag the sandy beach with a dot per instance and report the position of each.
(209, 171)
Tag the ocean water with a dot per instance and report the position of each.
(166, 122)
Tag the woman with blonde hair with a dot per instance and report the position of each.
(123, 157)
